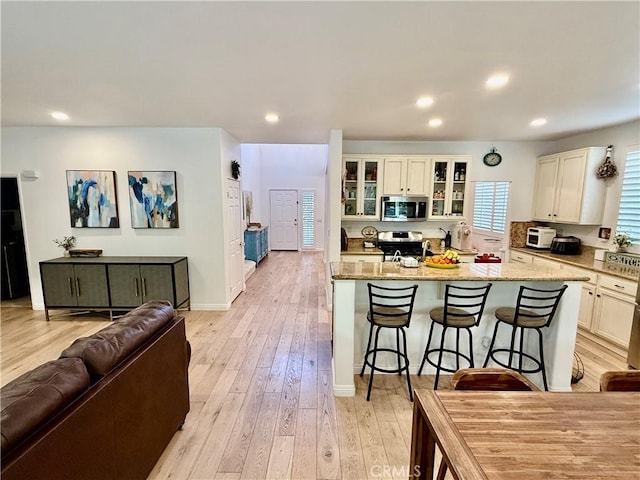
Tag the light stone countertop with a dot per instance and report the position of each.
(505, 272)
(585, 260)
(356, 247)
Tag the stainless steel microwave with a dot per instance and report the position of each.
(404, 209)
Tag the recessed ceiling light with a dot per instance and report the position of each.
(424, 102)
(538, 122)
(272, 118)
(435, 122)
(60, 115)
(497, 81)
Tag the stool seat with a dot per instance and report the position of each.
(458, 318)
(526, 318)
(389, 317)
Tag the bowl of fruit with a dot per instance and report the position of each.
(449, 259)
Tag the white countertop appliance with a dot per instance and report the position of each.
(540, 237)
(461, 237)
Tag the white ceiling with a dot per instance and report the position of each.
(355, 66)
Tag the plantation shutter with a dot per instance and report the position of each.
(308, 219)
(490, 206)
(629, 210)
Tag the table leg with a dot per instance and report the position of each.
(423, 446)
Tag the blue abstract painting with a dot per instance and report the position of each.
(92, 198)
(153, 199)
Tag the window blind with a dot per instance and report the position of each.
(629, 210)
(490, 206)
(308, 219)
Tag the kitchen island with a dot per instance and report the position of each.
(350, 304)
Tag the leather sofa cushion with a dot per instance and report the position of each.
(35, 397)
(104, 350)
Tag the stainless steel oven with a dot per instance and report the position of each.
(401, 244)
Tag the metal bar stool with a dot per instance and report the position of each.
(389, 307)
(463, 307)
(534, 310)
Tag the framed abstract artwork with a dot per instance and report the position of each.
(153, 199)
(92, 198)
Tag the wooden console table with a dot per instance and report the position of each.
(113, 283)
(527, 435)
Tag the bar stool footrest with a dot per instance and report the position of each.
(537, 362)
(448, 350)
(386, 370)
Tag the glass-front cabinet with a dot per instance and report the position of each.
(448, 187)
(361, 187)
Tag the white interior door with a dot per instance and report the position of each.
(283, 227)
(234, 234)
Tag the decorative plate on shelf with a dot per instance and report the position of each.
(369, 232)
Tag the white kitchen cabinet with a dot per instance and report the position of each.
(361, 182)
(567, 190)
(588, 297)
(519, 257)
(449, 182)
(406, 176)
(613, 310)
(587, 301)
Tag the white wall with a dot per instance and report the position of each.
(621, 137)
(200, 156)
(268, 167)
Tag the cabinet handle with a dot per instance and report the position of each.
(548, 214)
(70, 287)
(135, 285)
(590, 293)
(621, 287)
(144, 287)
(78, 287)
(598, 295)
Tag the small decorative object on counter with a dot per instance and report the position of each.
(621, 241)
(608, 169)
(66, 243)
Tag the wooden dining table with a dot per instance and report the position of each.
(527, 435)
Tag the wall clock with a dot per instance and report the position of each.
(492, 158)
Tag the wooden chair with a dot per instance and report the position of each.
(491, 379)
(494, 379)
(620, 381)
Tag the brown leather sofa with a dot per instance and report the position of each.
(106, 409)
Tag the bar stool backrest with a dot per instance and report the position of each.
(500, 379)
(391, 304)
(539, 304)
(464, 302)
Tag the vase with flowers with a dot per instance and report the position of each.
(621, 241)
(67, 243)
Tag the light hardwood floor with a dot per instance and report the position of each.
(260, 382)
